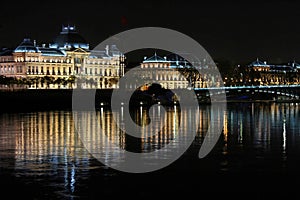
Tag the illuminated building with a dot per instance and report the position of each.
(58, 64)
(160, 69)
(262, 73)
(174, 72)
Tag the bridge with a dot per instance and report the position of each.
(259, 92)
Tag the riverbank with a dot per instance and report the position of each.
(43, 99)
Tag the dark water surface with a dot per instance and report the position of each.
(256, 157)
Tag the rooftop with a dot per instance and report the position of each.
(155, 58)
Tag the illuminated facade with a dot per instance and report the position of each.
(263, 73)
(160, 69)
(174, 72)
(59, 64)
(271, 74)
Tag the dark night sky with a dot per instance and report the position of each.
(239, 31)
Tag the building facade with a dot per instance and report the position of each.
(263, 73)
(174, 72)
(66, 63)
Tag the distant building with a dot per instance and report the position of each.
(174, 72)
(159, 69)
(60, 63)
(262, 73)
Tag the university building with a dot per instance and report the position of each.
(65, 63)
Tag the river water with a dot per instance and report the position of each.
(257, 155)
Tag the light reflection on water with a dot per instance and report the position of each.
(43, 147)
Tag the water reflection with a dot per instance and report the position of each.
(107, 141)
(262, 130)
(45, 146)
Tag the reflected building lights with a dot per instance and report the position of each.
(45, 144)
(285, 114)
(175, 124)
(284, 138)
(73, 180)
(225, 132)
(240, 129)
(51, 135)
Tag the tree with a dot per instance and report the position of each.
(48, 80)
(70, 81)
(36, 81)
(58, 81)
(8, 81)
(191, 74)
(112, 81)
(91, 82)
